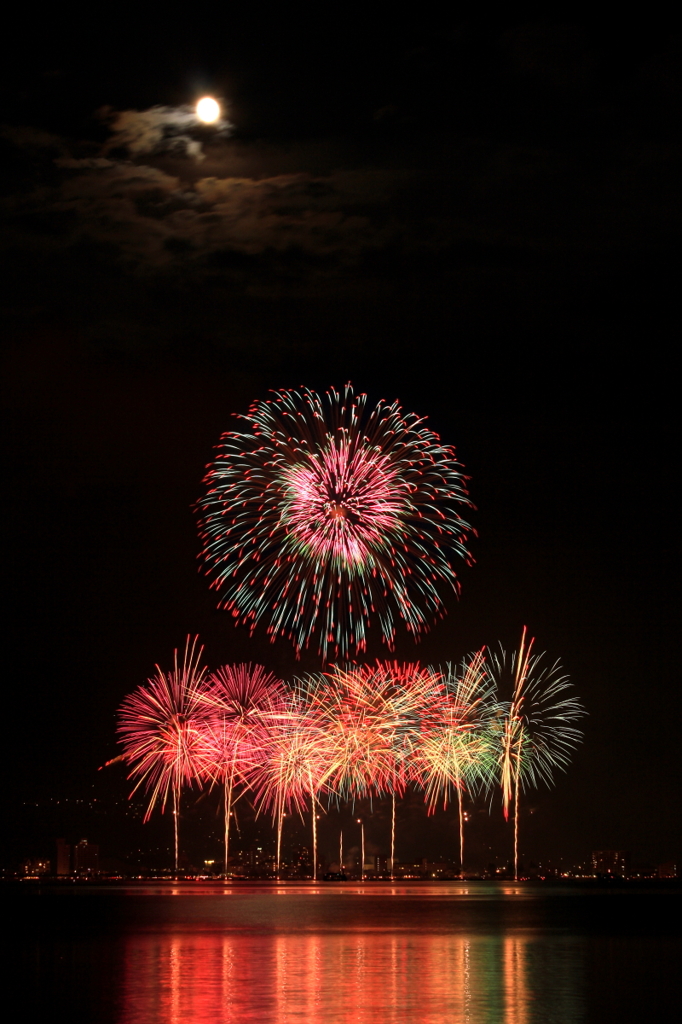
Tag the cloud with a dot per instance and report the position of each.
(160, 130)
(84, 225)
(150, 221)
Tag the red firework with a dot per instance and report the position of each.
(165, 733)
(245, 700)
(323, 517)
(296, 762)
(370, 497)
(370, 715)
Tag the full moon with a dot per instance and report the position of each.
(208, 110)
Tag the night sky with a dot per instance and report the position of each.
(481, 220)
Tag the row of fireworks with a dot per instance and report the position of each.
(494, 721)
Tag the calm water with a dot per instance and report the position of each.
(480, 953)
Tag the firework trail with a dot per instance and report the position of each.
(534, 730)
(164, 730)
(243, 700)
(455, 750)
(323, 516)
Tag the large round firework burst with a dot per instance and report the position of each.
(323, 516)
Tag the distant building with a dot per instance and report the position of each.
(63, 858)
(86, 858)
(423, 868)
(615, 863)
(436, 869)
(301, 857)
(667, 870)
(643, 871)
(36, 866)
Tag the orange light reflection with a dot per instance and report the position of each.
(208, 976)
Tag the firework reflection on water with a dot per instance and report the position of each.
(390, 953)
(197, 976)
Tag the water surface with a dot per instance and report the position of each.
(479, 953)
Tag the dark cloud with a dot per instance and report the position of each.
(149, 214)
(149, 221)
(263, 249)
(172, 130)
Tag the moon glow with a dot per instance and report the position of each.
(208, 110)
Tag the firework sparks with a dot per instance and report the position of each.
(352, 732)
(369, 714)
(295, 764)
(244, 699)
(454, 750)
(535, 729)
(322, 517)
(164, 731)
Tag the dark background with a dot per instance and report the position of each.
(514, 278)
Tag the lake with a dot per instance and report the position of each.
(479, 952)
